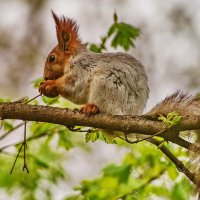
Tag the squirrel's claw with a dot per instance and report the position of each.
(90, 109)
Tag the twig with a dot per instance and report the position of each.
(22, 100)
(80, 129)
(14, 128)
(40, 136)
(19, 125)
(25, 101)
(140, 140)
(143, 185)
(27, 140)
(179, 165)
(24, 144)
(73, 129)
(9, 154)
(32, 99)
(1, 124)
(11, 171)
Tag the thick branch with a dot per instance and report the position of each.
(70, 118)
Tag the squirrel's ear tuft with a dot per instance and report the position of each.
(56, 18)
(67, 32)
(65, 40)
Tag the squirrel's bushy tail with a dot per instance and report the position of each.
(184, 104)
(194, 162)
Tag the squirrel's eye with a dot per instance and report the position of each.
(52, 58)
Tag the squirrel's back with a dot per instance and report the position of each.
(118, 82)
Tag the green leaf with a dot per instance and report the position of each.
(76, 197)
(159, 191)
(50, 101)
(172, 119)
(173, 173)
(95, 48)
(40, 162)
(180, 192)
(123, 35)
(42, 128)
(7, 125)
(109, 182)
(64, 140)
(109, 138)
(121, 172)
(36, 82)
(91, 136)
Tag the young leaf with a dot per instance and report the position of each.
(109, 139)
(172, 119)
(91, 136)
(50, 101)
(115, 17)
(64, 140)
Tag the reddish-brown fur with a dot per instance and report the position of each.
(70, 27)
(48, 88)
(68, 43)
(54, 70)
(89, 109)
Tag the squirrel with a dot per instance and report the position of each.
(111, 83)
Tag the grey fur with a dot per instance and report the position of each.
(115, 82)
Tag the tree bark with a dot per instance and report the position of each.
(70, 118)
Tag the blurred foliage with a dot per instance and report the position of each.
(141, 175)
(144, 173)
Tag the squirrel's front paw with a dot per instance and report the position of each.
(89, 109)
(49, 88)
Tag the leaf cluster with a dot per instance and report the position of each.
(172, 119)
(121, 35)
(138, 176)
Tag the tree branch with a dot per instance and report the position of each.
(179, 165)
(127, 124)
(70, 118)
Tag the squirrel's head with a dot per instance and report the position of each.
(68, 43)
